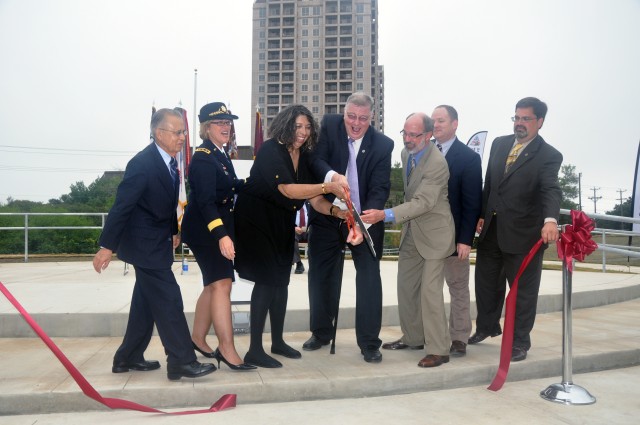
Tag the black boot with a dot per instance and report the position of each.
(277, 312)
(261, 298)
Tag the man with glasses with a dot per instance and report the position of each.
(427, 240)
(351, 152)
(520, 205)
(142, 228)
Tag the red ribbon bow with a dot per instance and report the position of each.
(575, 240)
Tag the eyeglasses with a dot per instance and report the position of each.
(361, 119)
(226, 123)
(523, 119)
(177, 133)
(411, 135)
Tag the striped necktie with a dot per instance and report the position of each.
(412, 165)
(513, 155)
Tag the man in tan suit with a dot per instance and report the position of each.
(427, 240)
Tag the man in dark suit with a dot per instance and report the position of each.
(465, 198)
(142, 228)
(351, 152)
(520, 204)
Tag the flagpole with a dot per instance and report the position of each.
(195, 91)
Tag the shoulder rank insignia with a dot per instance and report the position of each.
(205, 150)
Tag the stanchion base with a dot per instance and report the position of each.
(567, 393)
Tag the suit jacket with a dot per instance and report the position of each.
(213, 184)
(143, 218)
(426, 208)
(465, 190)
(523, 197)
(373, 162)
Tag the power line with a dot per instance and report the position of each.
(67, 150)
(49, 169)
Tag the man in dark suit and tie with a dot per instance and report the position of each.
(353, 153)
(142, 228)
(465, 199)
(520, 204)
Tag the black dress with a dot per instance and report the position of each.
(265, 219)
(209, 213)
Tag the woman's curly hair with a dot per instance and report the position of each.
(283, 127)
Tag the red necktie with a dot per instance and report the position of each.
(302, 219)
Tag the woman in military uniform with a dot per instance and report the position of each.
(207, 228)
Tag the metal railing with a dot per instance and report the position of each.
(27, 228)
(605, 248)
(629, 251)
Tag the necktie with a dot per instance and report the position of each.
(513, 155)
(412, 165)
(439, 146)
(302, 220)
(173, 169)
(352, 175)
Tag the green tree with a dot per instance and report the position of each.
(568, 181)
(622, 210)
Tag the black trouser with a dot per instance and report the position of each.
(492, 265)
(325, 254)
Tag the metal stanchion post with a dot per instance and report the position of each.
(567, 392)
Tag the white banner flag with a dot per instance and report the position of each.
(476, 142)
(635, 207)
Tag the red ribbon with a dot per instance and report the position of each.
(225, 402)
(351, 222)
(575, 241)
(509, 317)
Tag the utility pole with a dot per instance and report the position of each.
(579, 191)
(620, 192)
(595, 198)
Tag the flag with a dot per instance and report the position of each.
(476, 142)
(259, 137)
(635, 200)
(232, 147)
(153, 111)
(184, 159)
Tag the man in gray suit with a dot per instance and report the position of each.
(427, 240)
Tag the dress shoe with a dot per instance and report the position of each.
(399, 345)
(458, 349)
(481, 336)
(518, 354)
(144, 365)
(371, 355)
(261, 360)
(433, 360)
(195, 369)
(299, 268)
(204, 353)
(239, 367)
(285, 350)
(314, 343)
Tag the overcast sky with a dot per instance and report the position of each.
(78, 78)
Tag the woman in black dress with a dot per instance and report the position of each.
(207, 227)
(279, 182)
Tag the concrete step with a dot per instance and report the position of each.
(68, 299)
(33, 381)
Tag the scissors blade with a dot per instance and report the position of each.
(365, 232)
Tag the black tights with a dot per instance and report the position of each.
(267, 299)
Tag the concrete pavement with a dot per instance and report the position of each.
(85, 312)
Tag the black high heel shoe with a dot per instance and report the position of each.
(204, 353)
(242, 366)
